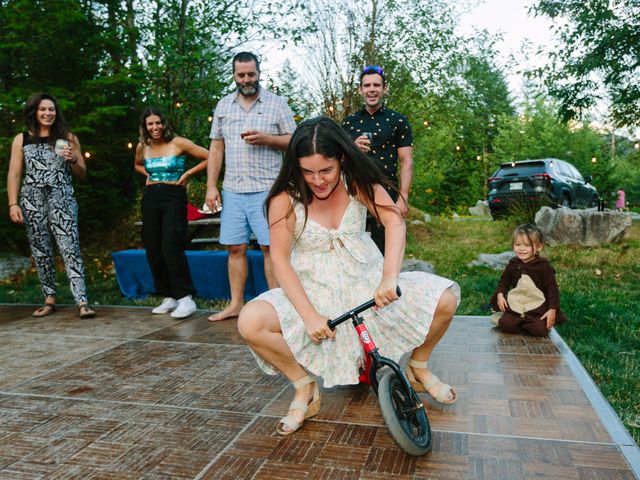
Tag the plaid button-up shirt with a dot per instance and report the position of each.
(251, 168)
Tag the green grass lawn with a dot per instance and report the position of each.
(599, 289)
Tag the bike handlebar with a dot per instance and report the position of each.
(332, 324)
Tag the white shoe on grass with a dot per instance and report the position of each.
(186, 306)
(166, 306)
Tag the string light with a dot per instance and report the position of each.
(87, 154)
(457, 148)
(210, 118)
(331, 108)
(636, 146)
(178, 104)
(513, 163)
(478, 157)
(425, 123)
(129, 145)
(594, 159)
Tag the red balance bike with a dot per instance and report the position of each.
(401, 407)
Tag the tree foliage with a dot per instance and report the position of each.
(105, 59)
(70, 49)
(452, 89)
(600, 50)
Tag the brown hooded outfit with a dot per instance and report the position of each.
(531, 290)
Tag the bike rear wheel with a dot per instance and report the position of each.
(404, 414)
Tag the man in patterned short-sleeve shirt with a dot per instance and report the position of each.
(250, 129)
(384, 135)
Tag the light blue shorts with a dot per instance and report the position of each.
(243, 213)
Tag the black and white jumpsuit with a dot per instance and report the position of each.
(50, 211)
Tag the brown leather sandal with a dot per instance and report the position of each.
(85, 311)
(44, 310)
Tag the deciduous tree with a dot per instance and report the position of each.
(599, 57)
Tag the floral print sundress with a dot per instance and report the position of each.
(340, 269)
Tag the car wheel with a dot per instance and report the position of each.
(566, 201)
(594, 201)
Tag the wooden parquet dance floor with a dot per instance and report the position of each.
(130, 395)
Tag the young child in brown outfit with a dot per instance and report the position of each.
(527, 299)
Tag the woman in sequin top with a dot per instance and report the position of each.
(161, 158)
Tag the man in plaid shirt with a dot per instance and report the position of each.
(251, 128)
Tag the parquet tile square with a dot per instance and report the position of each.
(532, 471)
(196, 330)
(487, 446)
(494, 468)
(603, 474)
(137, 396)
(124, 323)
(23, 357)
(232, 468)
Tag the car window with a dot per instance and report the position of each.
(520, 169)
(555, 167)
(576, 173)
(564, 169)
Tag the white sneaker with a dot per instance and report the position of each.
(186, 306)
(166, 306)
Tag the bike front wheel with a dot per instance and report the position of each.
(405, 415)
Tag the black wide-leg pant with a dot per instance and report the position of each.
(164, 232)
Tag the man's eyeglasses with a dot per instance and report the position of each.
(373, 69)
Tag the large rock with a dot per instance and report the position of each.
(588, 228)
(481, 209)
(415, 265)
(496, 261)
(12, 265)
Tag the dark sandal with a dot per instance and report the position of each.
(85, 311)
(43, 311)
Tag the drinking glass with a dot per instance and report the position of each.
(60, 146)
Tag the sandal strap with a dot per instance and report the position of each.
(42, 310)
(441, 394)
(417, 364)
(303, 407)
(290, 422)
(433, 380)
(306, 380)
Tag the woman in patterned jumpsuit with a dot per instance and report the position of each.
(46, 205)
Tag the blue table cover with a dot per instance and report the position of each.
(208, 271)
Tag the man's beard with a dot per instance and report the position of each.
(248, 90)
